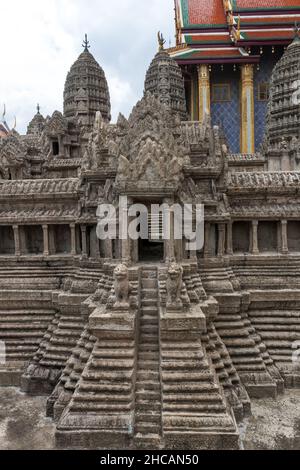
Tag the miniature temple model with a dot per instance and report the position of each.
(146, 343)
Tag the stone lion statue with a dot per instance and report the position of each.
(122, 286)
(174, 285)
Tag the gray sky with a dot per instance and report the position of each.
(40, 39)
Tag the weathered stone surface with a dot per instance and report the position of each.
(168, 352)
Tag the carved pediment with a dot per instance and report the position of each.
(56, 125)
(13, 163)
(150, 154)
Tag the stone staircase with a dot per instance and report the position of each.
(24, 319)
(148, 384)
(244, 347)
(280, 330)
(44, 371)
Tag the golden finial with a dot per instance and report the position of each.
(161, 41)
(236, 32)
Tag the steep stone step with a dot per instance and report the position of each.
(149, 283)
(143, 396)
(148, 366)
(149, 347)
(145, 427)
(147, 441)
(148, 386)
(149, 303)
(150, 417)
(145, 405)
(146, 375)
(148, 356)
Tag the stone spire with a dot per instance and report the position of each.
(86, 90)
(283, 117)
(165, 81)
(37, 124)
(282, 142)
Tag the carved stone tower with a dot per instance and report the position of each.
(283, 117)
(86, 90)
(165, 81)
(37, 124)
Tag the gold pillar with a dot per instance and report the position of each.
(247, 109)
(204, 91)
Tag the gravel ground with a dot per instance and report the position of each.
(273, 424)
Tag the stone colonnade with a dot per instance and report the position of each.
(71, 239)
(224, 238)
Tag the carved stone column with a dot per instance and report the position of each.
(204, 91)
(254, 238)
(221, 240)
(83, 241)
(207, 251)
(284, 237)
(169, 243)
(46, 240)
(229, 248)
(73, 239)
(108, 249)
(247, 109)
(17, 240)
(125, 241)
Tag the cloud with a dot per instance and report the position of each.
(41, 39)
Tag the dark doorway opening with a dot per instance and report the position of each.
(55, 148)
(151, 251)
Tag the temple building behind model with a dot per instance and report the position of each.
(151, 343)
(227, 50)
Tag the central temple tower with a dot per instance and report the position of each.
(86, 89)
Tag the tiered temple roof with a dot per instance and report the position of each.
(220, 30)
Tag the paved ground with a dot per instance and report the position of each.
(23, 425)
(273, 425)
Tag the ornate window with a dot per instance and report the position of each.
(263, 91)
(221, 92)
